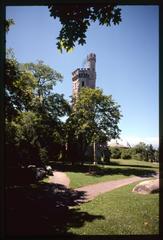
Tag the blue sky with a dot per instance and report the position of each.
(127, 61)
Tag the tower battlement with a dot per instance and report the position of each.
(85, 77)
(91, 56)
(80, 70)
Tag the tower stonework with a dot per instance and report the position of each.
(84, 77)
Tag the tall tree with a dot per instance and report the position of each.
(151, 153)
(19, 88)
(46, 77)
(94, 119)
(33, 112)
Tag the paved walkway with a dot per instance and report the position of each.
(60, 178)
(93, 190)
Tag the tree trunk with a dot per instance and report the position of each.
(94, 152)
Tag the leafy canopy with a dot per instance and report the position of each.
(95, 116)
(76, 18)
(8, 23)
(34, 130)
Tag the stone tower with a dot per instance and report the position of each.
(84, 77)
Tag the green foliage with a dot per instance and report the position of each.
(115, 152)
(34, 130)
(24, 138)
(76, 18)
(96, 114)
(94, 118)
(126, 154)
(137, 156)
(10, 54)
(19, 89)
(151, 153)
(143, 151)
(156, 155)
(46, 77)
(8, 23)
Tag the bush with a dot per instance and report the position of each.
(126, 154)
(137, 156)
(115, 152)
(141, 151)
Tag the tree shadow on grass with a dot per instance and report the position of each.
(97, 170)
(44, 210)
(131, 165)
(138, 166)
(126, 172)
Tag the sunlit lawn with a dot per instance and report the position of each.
(82, 179)
(134, 162)
(121, 212)
(118, 169)
(118, 212)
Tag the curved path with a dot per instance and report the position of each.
(60, 178)
(93, 190)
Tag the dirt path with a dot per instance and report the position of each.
(94, 190)
(60, 178)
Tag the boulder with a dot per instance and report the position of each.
(148, 186)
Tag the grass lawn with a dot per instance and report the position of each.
(83, 179)
(120, 212)
(133, 162)
(118, 169)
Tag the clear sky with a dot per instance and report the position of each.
(127, 61)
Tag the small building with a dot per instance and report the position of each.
(119, 143)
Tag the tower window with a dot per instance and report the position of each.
(82, 83)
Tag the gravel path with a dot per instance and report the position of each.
(60, 178)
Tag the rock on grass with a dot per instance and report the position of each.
(146, 187)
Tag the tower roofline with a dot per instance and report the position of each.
(85, 77)
(80, 70)
(91, 56)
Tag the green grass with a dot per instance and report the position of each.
(118, 169)
(133, 162)
(120, 212)
(45, 180)
(83, 179)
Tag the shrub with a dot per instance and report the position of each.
(115, 152)
(137, 156)
(126, 154)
